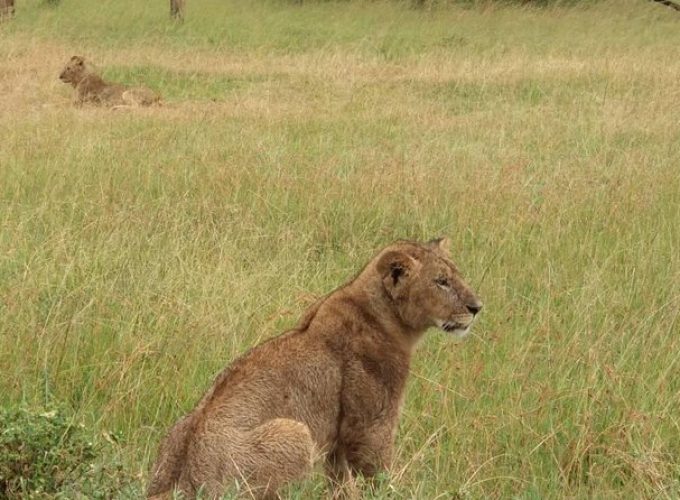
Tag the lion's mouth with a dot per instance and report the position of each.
(459, 330)
(450, 326)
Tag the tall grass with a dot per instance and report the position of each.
(141, 251)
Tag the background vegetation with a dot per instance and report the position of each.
(142, 250)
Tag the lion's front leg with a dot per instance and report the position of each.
(370, 455)
(342, 483)
(366, 452)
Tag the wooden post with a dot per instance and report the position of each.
(176, 9)
(6, 8)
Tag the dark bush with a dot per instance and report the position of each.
(45, 454)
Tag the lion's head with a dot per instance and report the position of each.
(425, 287)
(74, 70)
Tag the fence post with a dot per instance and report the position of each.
(6, 8)
(176, 9)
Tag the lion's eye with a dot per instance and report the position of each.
(442, 282)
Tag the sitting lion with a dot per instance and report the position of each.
(91, 88)
(332, 386)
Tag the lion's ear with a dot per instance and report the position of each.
(78, 60)
(442, 245)
(394, 268)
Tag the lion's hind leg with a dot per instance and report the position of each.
(280, 450)
(260, 460)
(139, 96)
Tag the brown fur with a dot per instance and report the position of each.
(332, 385)
(91, 88)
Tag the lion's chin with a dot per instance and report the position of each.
(455, 329)
(461, 334)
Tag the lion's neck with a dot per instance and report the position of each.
(373, 307)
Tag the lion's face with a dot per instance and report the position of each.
(74, 70)
(426, 287)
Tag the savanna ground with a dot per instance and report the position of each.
(142, 250)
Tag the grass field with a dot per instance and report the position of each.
(142, 250)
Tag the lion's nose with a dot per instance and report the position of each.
(474, 307)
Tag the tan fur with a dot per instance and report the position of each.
(91, 88)
(333, 385)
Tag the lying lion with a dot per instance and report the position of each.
(331, 386)
(91, 88)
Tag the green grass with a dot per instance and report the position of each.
(141, 251)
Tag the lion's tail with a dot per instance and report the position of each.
(165, 473)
